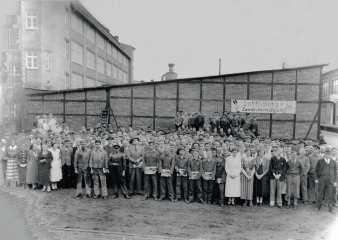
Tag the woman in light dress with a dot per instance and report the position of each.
(247, 178)
(233, 167)
(56, 170)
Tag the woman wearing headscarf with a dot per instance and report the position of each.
(233, 169)
(32, 166)
(44, 159)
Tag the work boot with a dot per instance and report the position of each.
(77, 195)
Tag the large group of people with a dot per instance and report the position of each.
(209, 159)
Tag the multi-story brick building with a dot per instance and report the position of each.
(59, 45)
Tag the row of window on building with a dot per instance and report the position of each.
(94, 37)
(78, 81)
(326, 87)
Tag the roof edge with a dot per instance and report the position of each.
(184, 79)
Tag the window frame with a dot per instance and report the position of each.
(32, 59)
(98, 69)
(47, 61)
(74, 59)
(93, 67)
(335, 86)
(66, 49)
(32, 27)
(109, 71)
(67, 16)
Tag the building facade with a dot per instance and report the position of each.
(59, 45)
(330, 98)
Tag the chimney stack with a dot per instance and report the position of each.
(117, 38)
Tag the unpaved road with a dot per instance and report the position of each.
(51, 214)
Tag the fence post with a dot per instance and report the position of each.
(320, 103)
(295, 115)
(154, 110)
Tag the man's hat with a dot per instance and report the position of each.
(110, 138)
(116, 146)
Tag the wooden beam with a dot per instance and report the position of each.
(270, 131)
(201, 95)
(223, 95)
(295, 115)
(131, 106)
(308, 132)
(319, 103)
(154, 109)
(177, 96)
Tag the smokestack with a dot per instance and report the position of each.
(171, 67)
(152, 80)
(283, 67)
(117, 38)
(171, 74)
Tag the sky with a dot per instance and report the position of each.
(246, 35)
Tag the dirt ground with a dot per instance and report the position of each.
(58, 215)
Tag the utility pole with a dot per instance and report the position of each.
(220, 61)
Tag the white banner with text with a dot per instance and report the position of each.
(257, 106)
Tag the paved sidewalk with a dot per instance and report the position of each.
(331, 138)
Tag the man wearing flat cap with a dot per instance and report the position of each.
(81, 167)
(117, 169)
(66, 163)
(98, 163)
(135, 156)
(326, 176)
(314, 157)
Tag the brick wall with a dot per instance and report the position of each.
(155, 104)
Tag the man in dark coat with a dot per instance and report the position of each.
(277, 170)
(326, 176)
(199, 121)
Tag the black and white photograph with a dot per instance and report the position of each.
(169, 119)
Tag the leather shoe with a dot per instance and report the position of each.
(331, 211)
(145, 198)
(281, 207)
(77, 195)
(201, 201)
(335, 205)
(295, 207)
(172, 200)
(316, 209)
(115, 196)
(96, 196)
(155, 198)
(160, 199)
(186, 201)
(287, 206)
(104, 198)
(88, 196)
(127, 196)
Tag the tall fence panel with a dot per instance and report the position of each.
(154, 105)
